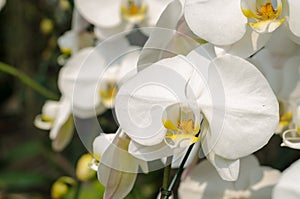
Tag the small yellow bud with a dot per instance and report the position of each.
(61, 187)
(46, 26)
(83, 172)
(59, 190)
(64, 5)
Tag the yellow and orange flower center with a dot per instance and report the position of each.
(267, 12)
(133, 10)
(184, 129)
(286, 118)
(186, 126)
(108, 93)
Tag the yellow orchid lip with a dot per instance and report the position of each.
(184, 132)
(47, 119)
(266, 17)
(108, 94)
(133, 10)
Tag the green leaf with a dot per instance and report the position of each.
(29, 149)
(21, 180)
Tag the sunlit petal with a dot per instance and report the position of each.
(254, 181)
(224, 21)
(248, 45)
(100, 12)
(261, 103)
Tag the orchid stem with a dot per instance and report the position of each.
(77, 191)
(28, 81)
(180, 169)
(166, 178)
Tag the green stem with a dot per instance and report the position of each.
(77, 191)
(28, 81)
(181, 167)
(166, 178)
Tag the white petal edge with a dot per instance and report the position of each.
(100, 12)
(227, 169)
(294, 15)
(259, 101)
(223, 20)
(247, 45)
(287, 187)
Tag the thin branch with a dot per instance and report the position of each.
(28, 81)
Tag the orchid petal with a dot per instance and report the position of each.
(280, 43)
(224, 21)
(155, 8)
(287, 187)
(290, 87)
(294, 15)
(249, 8)
(266, 26)
(49, 112)
(117, 157)
(157, 44)
(128, 65)
(79, 24)
(106, 32)
(62, 116)
(258, 102)
(149, 153)
(76, 81)
(101, 143)
(253, 182)
(118, 169)
(227, 169)
(291, 139)
(41, 124)
(100, 12)
(141, 101)
(64, 135)
(247, 45)
(178, 157)
(270, 66)
(118, 184)
(2, 3)
(292, 36)
(68, 42)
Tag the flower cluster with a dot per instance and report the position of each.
(208, 78)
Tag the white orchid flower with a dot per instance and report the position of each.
(74, 39)
(163, 40)
(223, 24)
(160, 107)
(116, 168)
(279, 62)
(226, 23)
(254, 181)
(87, 88)
(287, 187)
(285, 80)
(264, 16)
(2, 3)
(291, 137)
(91, 80)
(118, 15)
(56, 116)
